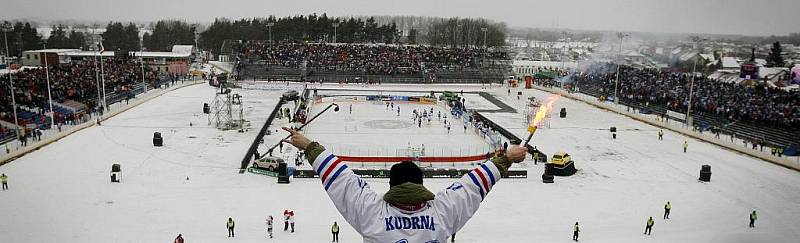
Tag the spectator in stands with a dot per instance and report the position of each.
(766, 106)
(68, 81)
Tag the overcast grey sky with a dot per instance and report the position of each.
(747, 17)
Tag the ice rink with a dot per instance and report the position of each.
(62, 193)
(373, 129)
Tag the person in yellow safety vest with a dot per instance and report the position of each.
(753, 218)
(685, 145)
(575, 230)
(774, 151)
(667, 208)
(335, 232)
(230, 225)
(661, 134)
(780, 152)
(4, 180)
(649, 227)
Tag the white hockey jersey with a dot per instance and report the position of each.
(378, 221)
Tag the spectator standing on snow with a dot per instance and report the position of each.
(660, 134)
(575, 230)
(4, 180)
(291, 220)
(230, 226)
(179, 239)
(269, 226)
(335, 232)
(286, 216)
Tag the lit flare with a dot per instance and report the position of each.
(541, 113)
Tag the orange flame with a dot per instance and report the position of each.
(543, 110)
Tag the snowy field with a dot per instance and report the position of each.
(61, 193)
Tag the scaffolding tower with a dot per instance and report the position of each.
(227, 112)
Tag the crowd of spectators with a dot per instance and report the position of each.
(367, 58)
(735, 102)
(69, 81)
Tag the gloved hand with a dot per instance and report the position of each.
(297, 139)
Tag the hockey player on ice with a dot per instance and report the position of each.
(408, 212)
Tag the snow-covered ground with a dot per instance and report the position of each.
(62, 193)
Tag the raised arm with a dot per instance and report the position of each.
(351, 195)
(460, 200)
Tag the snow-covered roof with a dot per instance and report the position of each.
(709, 57)
(676, 51)
(730, 62)
(726, 76)
(631, 53)
(688, 56)
(183, 49)
(660, 50)
(771, 72)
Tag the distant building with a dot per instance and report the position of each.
(175, 62)
(35, 58)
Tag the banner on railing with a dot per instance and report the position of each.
(676, 115)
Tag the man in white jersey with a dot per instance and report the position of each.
(408, 212)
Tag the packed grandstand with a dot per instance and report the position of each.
(381, 62)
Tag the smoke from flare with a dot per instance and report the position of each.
(543, 110)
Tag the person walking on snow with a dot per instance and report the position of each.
(230, 225)
(660, 134)
(575, 230)
(685, 145)
(408, 211)
(649, 227)
(286, 219)
(269, 226)
(667, 208)
(753, 218)
(335, 232)
(4, 180)
(291, 220)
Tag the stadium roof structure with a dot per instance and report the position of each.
(159, 54)
(59, 51)
(178, 51)
(88, 54)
